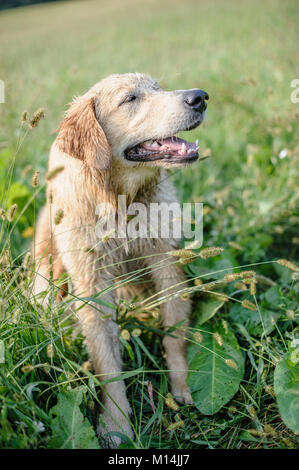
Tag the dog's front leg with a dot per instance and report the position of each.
(169, 279)
(102, 339)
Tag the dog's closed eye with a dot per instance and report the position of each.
(128, 99)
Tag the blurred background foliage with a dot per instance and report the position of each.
(245, 55)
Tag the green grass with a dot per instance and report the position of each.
(244, 54)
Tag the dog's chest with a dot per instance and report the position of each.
(147, 225)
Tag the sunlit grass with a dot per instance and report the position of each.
(249, 186)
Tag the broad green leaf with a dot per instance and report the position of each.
(212, 380)
(207, 309)
(215, 267)
(273, 296)
(286, 387)
(285, 274)
(69, 427)
(19, 193)
(256, 322)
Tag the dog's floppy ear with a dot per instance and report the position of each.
(81, 136)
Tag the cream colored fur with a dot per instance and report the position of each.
(90, 147)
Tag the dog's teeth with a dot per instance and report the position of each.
(190, 151)
(183, 148)
(155, 144)
(196, 142)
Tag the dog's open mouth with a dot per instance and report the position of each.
(172, 149)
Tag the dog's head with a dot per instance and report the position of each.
(129, 118)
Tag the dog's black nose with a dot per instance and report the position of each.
(196, 99)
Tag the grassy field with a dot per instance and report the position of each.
(245, 55)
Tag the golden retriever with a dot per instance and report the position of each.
(117, 139)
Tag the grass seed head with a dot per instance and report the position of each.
(209, 286)
(24, 116)
(108, 235)
(125, 335)
(231, 363)
(5, 259)
(47, 368)
(207, 152)
(231, 277)
(253, 287)
(270, 430)
(181, 253)
(171, 403)
(288, 264)
(290, 314)
(36, 117)
(218, 338)
(185, 260)
(255, 432)
(2, 214)
(27, 368)
(289, 443)
(198, 337)
(252, 412)
(12, 212)
(185, 296)
(240, 285)
(27, 261)
(232, 409)
(122, 309)
(222, 297)
(88, 249)
(265, 280)
(69, 375)
(249, 305)
(270, 389)
(87, 366)
(247, 281)
(50, 351)
(247, 275)
(58, 217)
(51, 174)
(176, 425)
(211, 251)
(136, 332)
(236, 246)
(156, 314)
(35, 179)
(225, 326)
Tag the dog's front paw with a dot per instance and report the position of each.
(181, 393)
(112, 424)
